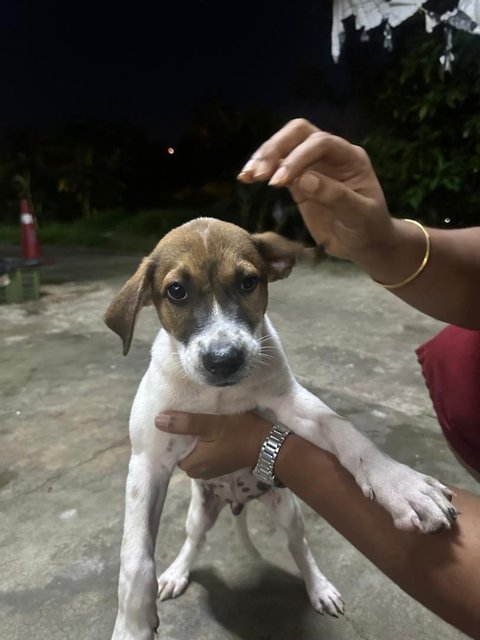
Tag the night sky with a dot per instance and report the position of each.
(153, 62)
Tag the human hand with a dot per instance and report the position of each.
(334, 185)
(225, 443)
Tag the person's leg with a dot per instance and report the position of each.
(465, 465)
(450, 364)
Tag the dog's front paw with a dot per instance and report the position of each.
(324, 597)
(137, 617)
(173, 582)
(125, 631)
(414, 500)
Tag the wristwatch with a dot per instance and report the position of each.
(269, 450)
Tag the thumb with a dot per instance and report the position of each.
(201, 425)
(344, 203)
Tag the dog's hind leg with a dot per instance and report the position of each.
(202, 515)
(244, 535)
(286, 512)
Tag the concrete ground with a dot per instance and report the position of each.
(65, 396)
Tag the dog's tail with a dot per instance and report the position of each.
(240, 517)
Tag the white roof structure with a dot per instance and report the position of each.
(373, 13)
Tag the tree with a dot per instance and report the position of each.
(87, 158)
(425, 130)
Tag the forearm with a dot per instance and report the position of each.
(439, 571)
(447, 289)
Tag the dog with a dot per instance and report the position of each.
(208, 281)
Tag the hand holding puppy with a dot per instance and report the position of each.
(226, 443)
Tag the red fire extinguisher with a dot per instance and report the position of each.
(30, 244)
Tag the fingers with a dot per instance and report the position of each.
(201, 425)
(266, 159)
(298, 146)
(330, 154)
(345, 203)
(335, 215)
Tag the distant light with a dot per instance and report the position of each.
(447, 220)
(170, 151)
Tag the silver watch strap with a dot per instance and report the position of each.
(263, 470)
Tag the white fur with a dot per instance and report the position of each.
(219, 328)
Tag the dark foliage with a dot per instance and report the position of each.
(425, 130)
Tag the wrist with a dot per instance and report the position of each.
(264, 469)
(257, 432)
(396, 254)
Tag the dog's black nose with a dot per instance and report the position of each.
(223, 360)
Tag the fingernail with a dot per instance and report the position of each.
(308, 182)
(279, 177)
(245, 176)
(162, 421)
(262, 170)
(248, 167)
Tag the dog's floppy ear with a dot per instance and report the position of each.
(135, 293)
(279, 253)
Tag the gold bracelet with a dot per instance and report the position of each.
(422, 266)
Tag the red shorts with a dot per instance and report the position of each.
(450, 363)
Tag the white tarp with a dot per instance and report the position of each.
(372, 13)
(471, 8)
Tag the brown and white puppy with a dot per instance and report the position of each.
(217, 353)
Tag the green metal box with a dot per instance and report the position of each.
(24, 285)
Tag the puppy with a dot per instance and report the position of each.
(218, 353)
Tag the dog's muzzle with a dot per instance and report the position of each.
(222, 361)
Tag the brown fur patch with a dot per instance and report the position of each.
(209, 258)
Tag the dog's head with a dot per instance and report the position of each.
(208, 282)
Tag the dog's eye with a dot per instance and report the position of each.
(249, 283)
(176, 292)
